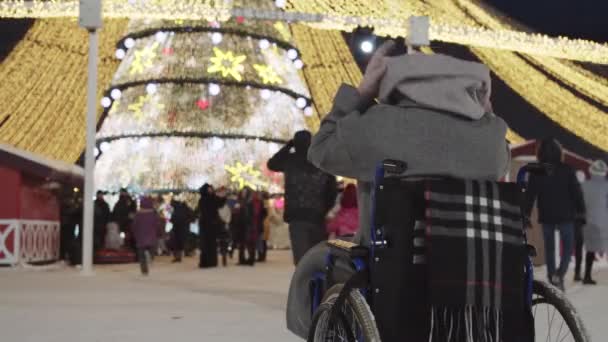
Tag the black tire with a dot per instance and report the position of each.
(356, 312)
(548, 301)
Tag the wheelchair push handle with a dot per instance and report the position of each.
(394, 167)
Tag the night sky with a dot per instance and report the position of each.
(575, 19)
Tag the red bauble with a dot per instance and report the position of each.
(202, 104)
(240, 19)
(168, 51)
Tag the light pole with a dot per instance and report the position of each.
(90, 18)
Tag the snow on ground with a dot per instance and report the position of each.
(181, 303)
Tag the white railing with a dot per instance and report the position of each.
(26, 241)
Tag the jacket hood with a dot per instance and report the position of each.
(301, 141)
(438, 82)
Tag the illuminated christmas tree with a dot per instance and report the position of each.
(197, 102)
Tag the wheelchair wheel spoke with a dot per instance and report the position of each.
(559, 333)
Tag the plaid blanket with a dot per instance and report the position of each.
(474, 250)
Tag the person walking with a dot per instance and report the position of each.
(309, 194)
(145, 227)
(595, 231)
(209, 225)
(180, 218)
(101, 214)
(346, 220)
(560, 202)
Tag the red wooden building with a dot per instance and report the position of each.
(29, 208)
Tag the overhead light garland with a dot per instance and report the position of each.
(44, 118)
(387, 17)
(589, 84)
(556, 102)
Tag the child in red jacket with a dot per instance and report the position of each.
(346, 221)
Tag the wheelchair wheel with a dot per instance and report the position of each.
(356, 322)
(555, 319)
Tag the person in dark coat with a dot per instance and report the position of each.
(560, 201)
(124, 210)
(123, 213)
(209, 224)
(71, 216)
(100, 221)
(145, 228)
(181, 218)
(242, 223)
(309, 194)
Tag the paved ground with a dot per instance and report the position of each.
(179, 303)
(176, 303)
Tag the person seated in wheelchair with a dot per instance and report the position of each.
(432, 112)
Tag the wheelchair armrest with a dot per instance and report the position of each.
(347, 249)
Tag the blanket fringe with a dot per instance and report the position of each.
(481, 324)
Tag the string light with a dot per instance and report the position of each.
(301, 102)
(214, 89)
(129, 43)
(264, 44)
(292, 54)
(308, 111)
(298, 64)
(216, 38)
(106, 102)
(115, 94)
(160, 36)
(120, 53)
(151, 88)
(265, 94)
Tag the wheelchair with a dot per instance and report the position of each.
(364, 292)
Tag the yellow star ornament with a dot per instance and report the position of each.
(244, 175)
(226, 63)
(267, 74)
(144, 59)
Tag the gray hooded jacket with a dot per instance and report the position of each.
(431, 115)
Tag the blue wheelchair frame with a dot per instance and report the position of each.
(377, 238)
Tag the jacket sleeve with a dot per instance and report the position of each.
(278, 162)
(328, 151)
(531, 195)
